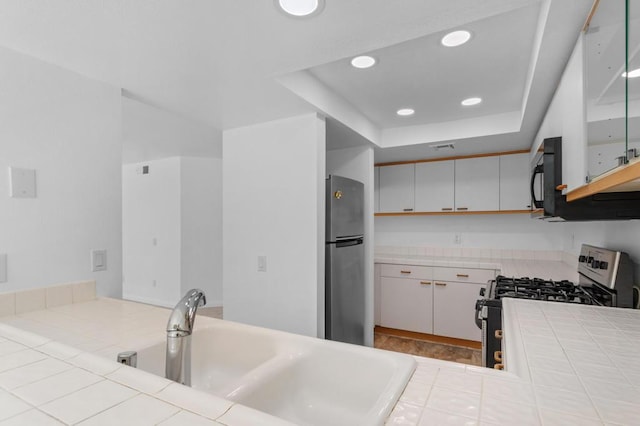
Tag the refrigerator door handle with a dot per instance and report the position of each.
(349, 243)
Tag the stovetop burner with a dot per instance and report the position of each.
(540, 289)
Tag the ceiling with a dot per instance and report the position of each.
(225, 63)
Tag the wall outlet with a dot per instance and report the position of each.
(262, 263)
(3, 267)
(98, 260)
(457, 239)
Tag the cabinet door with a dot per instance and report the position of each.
(454, 310)
(477, 184)
(376, 189)
(515, 173)
(406, 304)
(396, 188)
(435, 186)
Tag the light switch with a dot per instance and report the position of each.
(22, 183)
(98, 260)
(3, 267)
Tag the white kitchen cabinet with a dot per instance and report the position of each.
(455, 292)
(376, 189)
(454, 309)
(397, 188)
(435, 187)
(514, 182)
(477, 184)
(406, 304)
(406, 297)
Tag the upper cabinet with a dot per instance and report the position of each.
(477, 184)
(435, 186)
(397, 188)
(494, 183)
(596, 106)
(514, 183)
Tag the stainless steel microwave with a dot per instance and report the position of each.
(551, 204)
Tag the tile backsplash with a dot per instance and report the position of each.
(481, 253)
(36, 299)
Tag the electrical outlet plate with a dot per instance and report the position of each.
(22, 183)
(262, 263)
(3, 267)
(98, 260)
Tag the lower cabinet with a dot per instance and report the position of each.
(432, 300)
(454, 308)
(406, 304)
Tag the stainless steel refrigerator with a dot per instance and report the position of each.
(344, 261)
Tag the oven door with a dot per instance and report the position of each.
(491, 317)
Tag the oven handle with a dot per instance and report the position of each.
(539, 169)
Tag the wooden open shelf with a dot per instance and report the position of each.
(621, 179)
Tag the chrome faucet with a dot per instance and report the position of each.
(179, 329)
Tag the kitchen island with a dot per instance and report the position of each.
(565, 364)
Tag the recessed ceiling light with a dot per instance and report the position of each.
(300, 8)
(471, 101)
(363, 62)
(632, 74)
(405, 112)
(456, 38)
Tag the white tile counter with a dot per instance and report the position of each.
(568, 365)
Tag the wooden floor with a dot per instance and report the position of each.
(427, 345)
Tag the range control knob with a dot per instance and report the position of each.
(595, 264)
(582, 258)
(604, 265)
(589, 259)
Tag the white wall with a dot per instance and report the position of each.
(615, 235)
(516, 232)
(273, 206)
(67, 128)
(201, 224)
(172, 230)
(357, 163)
(566, 117)
(151, 232)
(152, 133)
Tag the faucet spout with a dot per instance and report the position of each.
(183, 315)
(179, 329)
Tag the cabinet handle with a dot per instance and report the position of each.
(407, 210)
(462, 275)
(425, 282)
(462, 208)
(441, 284)
(499, 366)
(405, 272)
(447, 209)
(497, 356)
(498, 334)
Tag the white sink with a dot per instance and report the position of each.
(300, 379)
(220, 354)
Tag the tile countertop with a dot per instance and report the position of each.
(547, 269)
(577, 369)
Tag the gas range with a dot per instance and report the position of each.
(605, 279)
(540, 289)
